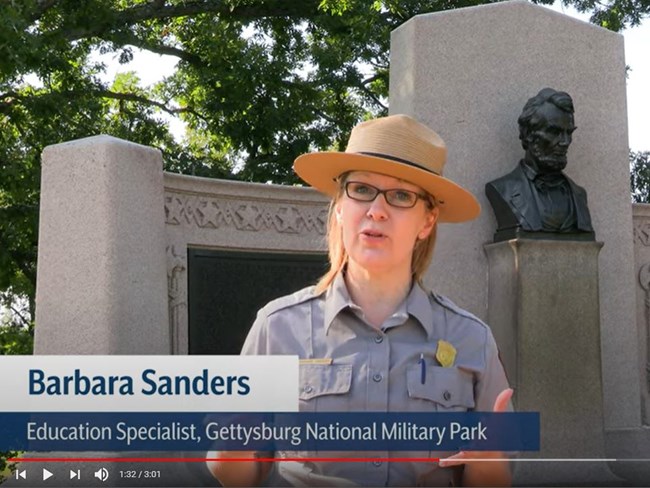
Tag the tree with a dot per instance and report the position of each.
(5, 467)
(640, 176)
(257, 83)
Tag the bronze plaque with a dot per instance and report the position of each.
(227, 288)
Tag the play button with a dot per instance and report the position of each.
(46, 474)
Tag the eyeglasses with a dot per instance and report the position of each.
(396, 197)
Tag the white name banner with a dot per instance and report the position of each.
(149, 383)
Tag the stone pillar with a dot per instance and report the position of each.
(467, 73)
(543, 304)
(102, 285)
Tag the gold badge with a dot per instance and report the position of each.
(446, 354)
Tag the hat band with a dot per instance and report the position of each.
(398, 160)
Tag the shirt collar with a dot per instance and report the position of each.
(419, 306)
(338, 298)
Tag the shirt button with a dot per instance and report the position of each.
(446, 395)
(308, 389)
(379, 339)
(376, 463)
(377, 377)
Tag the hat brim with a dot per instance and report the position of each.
(321, 170)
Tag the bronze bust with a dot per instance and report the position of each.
(536, 199)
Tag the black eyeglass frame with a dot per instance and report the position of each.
(427, 198)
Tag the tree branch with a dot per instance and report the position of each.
(269, 8)
(128, 38)
(372, 96)
(367, 81)
(20, 315)
(170, 51)
(131, 97)
(323, 115)
(156, 10)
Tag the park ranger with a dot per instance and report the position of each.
(369, 335)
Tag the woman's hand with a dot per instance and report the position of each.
(486, 473)
(236, 473)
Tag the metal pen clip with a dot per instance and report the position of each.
(423, 369)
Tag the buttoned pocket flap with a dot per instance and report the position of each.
(449, 387)
(320, 379)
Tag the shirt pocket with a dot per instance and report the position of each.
(444, 389)
(321, 386)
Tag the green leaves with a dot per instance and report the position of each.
(16, 340)
(6, 468)
(257, 83)
(614, 15)
(640, 176)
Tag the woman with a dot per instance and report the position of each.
(369, 337)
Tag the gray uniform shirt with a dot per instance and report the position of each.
(377, 370)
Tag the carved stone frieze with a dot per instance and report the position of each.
(644, 281)
(642, 231)
(214, 213)
(176, 275)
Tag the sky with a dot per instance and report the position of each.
(637, 58)
(637, 47)
(152, 67)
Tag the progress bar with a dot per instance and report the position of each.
(314, 459)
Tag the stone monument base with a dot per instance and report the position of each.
(517, 233)
(543, 309)
(623, 447)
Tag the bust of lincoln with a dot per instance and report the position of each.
(536, 199)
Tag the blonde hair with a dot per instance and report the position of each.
(338, 256)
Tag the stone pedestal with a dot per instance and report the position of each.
(101, 285)
(544, 311)
(102, 282)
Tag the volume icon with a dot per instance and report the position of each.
(101, 474)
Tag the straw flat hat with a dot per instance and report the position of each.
(397, 146)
